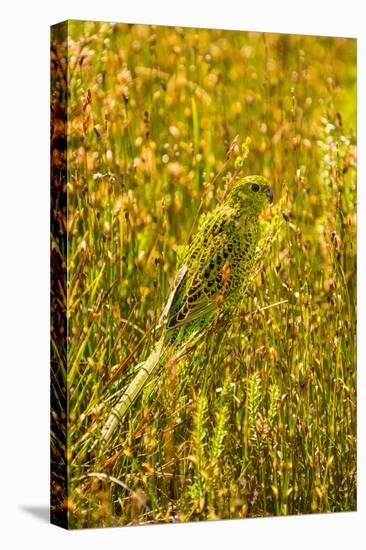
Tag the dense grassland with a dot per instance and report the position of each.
(260, 418)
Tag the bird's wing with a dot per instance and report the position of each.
(186, 315)
(201, 285)
(177, 284)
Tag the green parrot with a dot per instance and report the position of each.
(211, 280)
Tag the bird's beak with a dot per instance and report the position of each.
(269, 195)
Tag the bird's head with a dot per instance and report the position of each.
(251, 195)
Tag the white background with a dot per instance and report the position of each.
(24, 273)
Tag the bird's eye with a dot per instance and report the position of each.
(255, 187)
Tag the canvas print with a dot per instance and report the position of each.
(203, 274)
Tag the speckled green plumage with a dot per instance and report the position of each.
(218, 261)
(212, 277)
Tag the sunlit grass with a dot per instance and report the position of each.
(259, 419)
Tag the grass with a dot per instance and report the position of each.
(259, 419)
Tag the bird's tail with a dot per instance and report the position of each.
(120, 410)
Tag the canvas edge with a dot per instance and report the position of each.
(58, 270)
